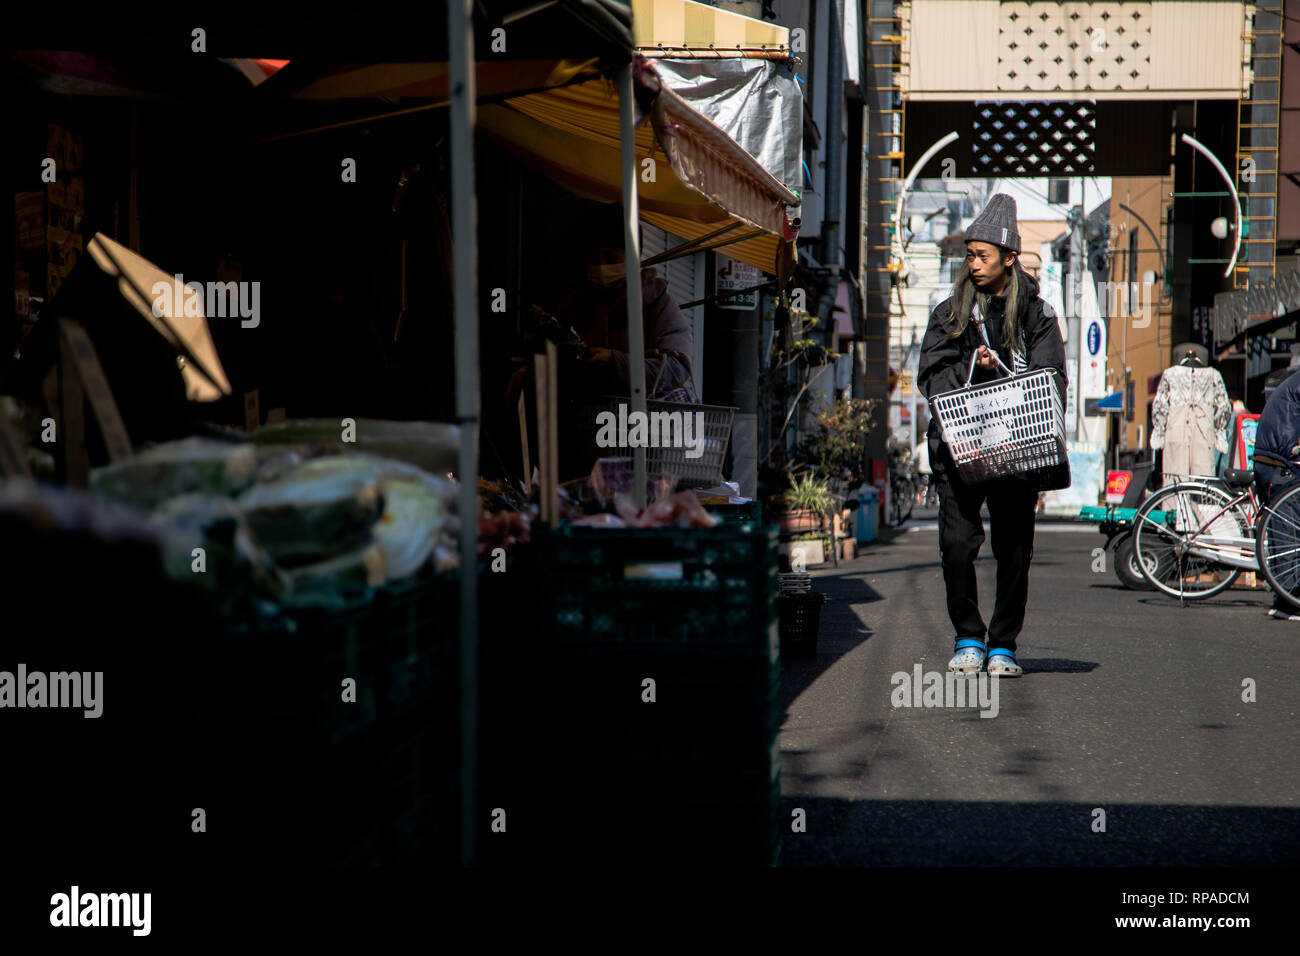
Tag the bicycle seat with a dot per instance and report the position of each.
(1238, 477)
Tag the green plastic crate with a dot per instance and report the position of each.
(751, 512)
(699, 586)
(382, 773)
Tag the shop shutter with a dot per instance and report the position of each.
(685, 276)
(679, 272)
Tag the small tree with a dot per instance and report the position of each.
(838, 447)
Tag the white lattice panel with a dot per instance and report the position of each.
(1074, 47)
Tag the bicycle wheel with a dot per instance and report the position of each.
(1126, 564)
(1168, 561)
(907, 500)
(897, 492)
(1277, 544)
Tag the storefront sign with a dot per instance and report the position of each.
(1092, 363)
(733, 275)
(1244, 429)
(1117, 483)
(1234, 311)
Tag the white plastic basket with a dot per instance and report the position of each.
(1007, 427)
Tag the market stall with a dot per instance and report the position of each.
(319, 548)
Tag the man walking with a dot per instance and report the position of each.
(1023, 330)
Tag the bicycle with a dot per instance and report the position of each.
(1195, 529)
(902, 487)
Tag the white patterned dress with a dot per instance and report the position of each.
(1189, 420)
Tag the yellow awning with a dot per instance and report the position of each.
(568, 129)
(571, 135)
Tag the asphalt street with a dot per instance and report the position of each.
(1130, 713)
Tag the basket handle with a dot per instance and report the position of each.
(975, 358)
(977, 317)
(681, 357)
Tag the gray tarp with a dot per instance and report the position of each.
(757, 102)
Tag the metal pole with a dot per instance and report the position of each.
(832, 211)
(935, 147)
(914, 364)
(464, 214)
(1074, 317)
(1236, 202)
(632, 256)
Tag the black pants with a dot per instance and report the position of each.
(1012, 506)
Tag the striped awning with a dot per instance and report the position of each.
(696, 181)
(680, 28)
(562, 118)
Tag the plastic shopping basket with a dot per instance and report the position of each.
(1007, 427)
(664, 456)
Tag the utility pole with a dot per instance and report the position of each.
(1074, 320)
(914, 356)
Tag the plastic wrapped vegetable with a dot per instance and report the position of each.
(339, 580)
(408, 530)
(233, 567)
(172, 469)
(433, 446)
(317, 510)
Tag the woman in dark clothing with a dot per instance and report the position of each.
(1024, 331)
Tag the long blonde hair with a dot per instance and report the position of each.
(965, 295)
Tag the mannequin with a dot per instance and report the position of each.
(1190, 415)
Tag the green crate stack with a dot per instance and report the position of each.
(605, 585)
(380, 773)
(751, 512)
(692, 776)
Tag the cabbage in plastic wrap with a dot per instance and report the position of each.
(338, 581)
(317, 510)
(233, 567)
(409, 528)
(187, 466)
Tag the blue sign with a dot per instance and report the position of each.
(1094, 338)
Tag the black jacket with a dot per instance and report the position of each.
(1278, 433)
(945, 363)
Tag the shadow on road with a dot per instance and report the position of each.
(953, 833)
(1160, 600)
(1056, 665)
(841, 632)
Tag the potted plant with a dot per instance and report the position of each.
(837, 449)
(807, 503)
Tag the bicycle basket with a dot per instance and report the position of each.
(1008, 427)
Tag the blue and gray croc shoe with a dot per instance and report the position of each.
(969, 657)
(1002, 663)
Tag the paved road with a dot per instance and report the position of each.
(1130, 704)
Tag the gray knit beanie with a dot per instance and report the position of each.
(996, 224)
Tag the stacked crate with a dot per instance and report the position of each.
(693, 775)
(749, 511)
(366, 782)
